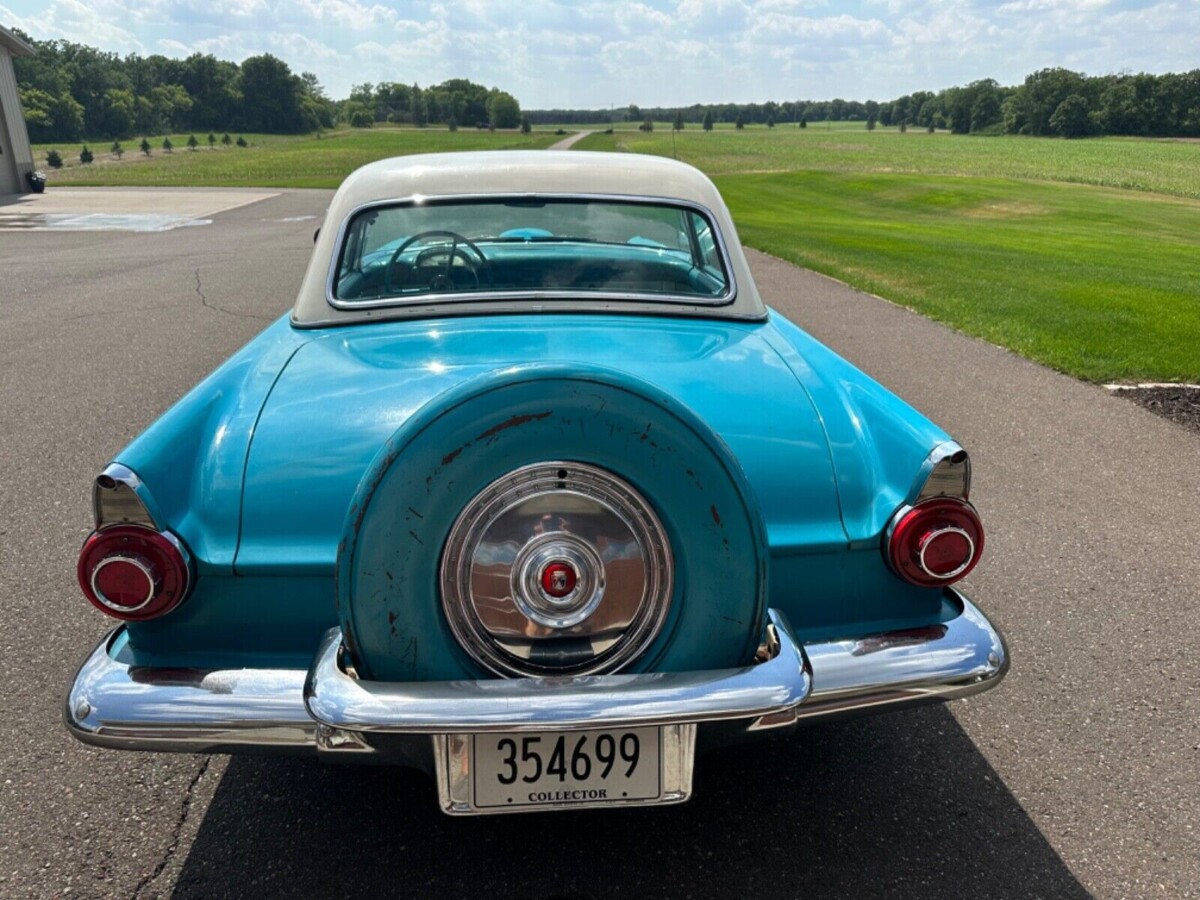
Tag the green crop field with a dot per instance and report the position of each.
(271, 160)
(1169, 167)
(1096, 281)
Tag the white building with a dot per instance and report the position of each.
(15, 156)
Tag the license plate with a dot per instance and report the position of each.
(501, 772)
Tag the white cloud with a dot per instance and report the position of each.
(302, 51)
(652, 52)
(1051, 6)
(79, 22)
(348, 14)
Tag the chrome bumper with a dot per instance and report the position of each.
(114, 704)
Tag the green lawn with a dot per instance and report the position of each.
(271, 160)
(1097, 282)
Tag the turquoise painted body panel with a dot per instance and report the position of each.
(193, 458)
(258, 468)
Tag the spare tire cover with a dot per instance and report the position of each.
(407, 503)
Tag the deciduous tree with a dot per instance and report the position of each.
(1071, 118)
(503, 109)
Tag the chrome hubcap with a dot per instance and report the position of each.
(556, 568)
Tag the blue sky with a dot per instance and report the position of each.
(554, 53)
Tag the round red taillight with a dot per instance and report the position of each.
(936, 542)
(133, 573)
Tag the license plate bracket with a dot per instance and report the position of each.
(505, 772)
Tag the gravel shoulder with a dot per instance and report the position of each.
(1178, 403)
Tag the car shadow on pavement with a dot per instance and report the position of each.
(896, 805)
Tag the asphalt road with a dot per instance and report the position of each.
(1080, 774)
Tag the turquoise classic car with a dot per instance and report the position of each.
(531, 491)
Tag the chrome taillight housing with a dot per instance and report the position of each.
(938, 538)
(936, 542)
(133, 573)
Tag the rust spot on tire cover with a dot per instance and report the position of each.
(514, 422)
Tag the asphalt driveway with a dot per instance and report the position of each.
(1078, 775)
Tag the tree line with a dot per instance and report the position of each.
(71, 91)
(451, 103)
(1049, 102)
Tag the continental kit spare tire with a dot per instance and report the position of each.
(545, 521)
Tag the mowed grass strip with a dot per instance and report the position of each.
(1161, 166)
(271, 160)
(1098, 283)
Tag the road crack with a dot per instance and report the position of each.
(176, 832)
(229, 312)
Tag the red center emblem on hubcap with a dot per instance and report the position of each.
(558, 579)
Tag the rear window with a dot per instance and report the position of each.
(541, 247)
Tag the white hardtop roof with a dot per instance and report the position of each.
(546, 172)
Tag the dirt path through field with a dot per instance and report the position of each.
(568, 142)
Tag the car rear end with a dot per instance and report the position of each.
(545, 557)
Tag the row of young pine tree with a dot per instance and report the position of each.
(54, 159)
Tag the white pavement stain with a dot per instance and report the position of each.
(97, 222)
(120, 209)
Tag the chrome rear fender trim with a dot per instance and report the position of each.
(114, 704)
(120, 498)
(964, 656)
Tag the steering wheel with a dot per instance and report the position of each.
(442, 281)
